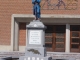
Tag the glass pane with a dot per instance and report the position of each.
(59, 39)
(48, 34)
(75, 46)
(48, 45)
(59, 34)
(49, 29)
(75, 34)
(76, 40)
(59, 45)
(75, 27)
(48, 39)
(60, 28)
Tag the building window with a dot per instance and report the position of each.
(55, 38)
(75, 38)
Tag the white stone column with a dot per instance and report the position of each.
(14, 34)
(67, 47)
(26, 34)
(16, 37)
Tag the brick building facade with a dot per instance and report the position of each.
(54, 14)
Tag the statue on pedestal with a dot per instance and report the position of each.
(36, 9)
(35, 41)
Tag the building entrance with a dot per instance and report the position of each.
(75, 38)
(55, 38)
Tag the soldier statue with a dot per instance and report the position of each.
(36, 9)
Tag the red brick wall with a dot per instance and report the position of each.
(22, 34)
(9, 7)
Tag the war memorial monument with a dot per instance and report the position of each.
(35, 49)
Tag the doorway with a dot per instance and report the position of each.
(55, 38)
(75, 38)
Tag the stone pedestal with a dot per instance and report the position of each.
(35, 49)
(34, 58)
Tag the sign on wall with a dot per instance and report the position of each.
(59, 4)
(35, 37)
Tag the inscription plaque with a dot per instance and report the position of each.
(35, 37)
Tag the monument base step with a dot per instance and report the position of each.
(35, 58)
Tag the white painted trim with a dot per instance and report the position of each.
(12, 32)
(47, 16)
(26, 36)
(6, 48)
(22, 48)
(16, 31)
(67, 48)
(44, 16)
